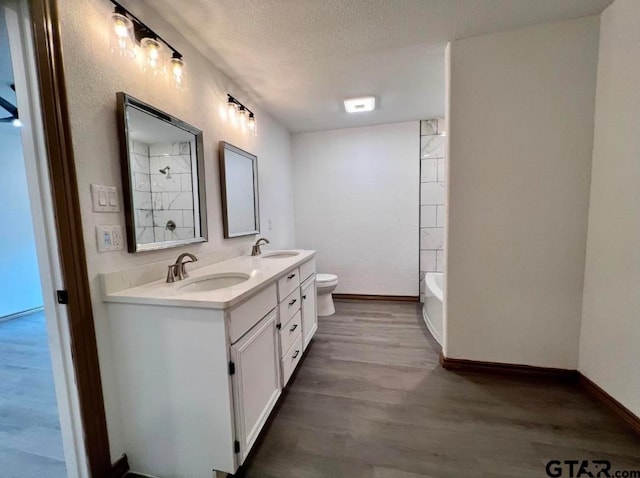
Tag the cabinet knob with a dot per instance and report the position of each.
(295, 326)
(295, 354)
(304, 296)
(292, 302)
(291, 276)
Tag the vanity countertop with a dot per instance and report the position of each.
(261, 271)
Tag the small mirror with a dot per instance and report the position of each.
(163, 177)
(239, 184)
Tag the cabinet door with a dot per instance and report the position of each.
(256, 381)
(309, 313)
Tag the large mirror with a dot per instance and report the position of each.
(239, 184)
(163, 177)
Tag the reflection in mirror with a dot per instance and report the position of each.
(163, 178)
(239, 184)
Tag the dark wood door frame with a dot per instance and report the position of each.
(66, 203)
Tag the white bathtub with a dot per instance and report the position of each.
(432, 309)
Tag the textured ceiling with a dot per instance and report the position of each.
(300, 58)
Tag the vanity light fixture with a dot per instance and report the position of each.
(357, 105)
(127, 30)
(236, 111)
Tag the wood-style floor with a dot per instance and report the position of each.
(30, 439)
(370, 400)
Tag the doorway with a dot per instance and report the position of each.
(41, 432)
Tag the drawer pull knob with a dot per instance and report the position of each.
(292, 302)
(295, 354)
(295, 326)
(291, 276)
(278, 326)
(304, 296)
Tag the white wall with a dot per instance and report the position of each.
(17, 242)
(94, 76)
(357, 201)
(521, 107)
(610, 336)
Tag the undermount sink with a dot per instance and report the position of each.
(214, 282)
(279, 254)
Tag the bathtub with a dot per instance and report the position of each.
(432, 309)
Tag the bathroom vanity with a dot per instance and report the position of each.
(202, 362)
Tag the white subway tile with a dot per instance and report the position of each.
(431, 238)
(177, 201)
(428, 216)
(187, 218)
(186, 183)
(140, 163)
(428, 127)
(432, 147)
(428, 261)
(428, 170)
(442, 128)
(160, 149)
(432, 193)
(142, 200)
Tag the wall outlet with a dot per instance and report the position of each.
(109, 238)
(104, 198)
(270, 224)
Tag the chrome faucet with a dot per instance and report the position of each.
(255, 250)
(177, 270)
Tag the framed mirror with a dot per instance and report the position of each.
(162, 162)
(239, 185)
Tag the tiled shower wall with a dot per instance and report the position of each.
(432, 196)
(159, 198)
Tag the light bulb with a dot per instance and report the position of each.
(242, 114)
(251, 124)
(17, 123)
(232, 110)
(177, 73)
(153, 56)
(121, 36)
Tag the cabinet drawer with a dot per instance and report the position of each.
(307, 269)
(249, 313)
(289, 333)
(289, 306)
(288, 283)
(291, 360)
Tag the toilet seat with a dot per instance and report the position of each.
(326, 279)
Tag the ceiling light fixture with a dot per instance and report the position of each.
(127, 30)
(358, 105)
(236, 111)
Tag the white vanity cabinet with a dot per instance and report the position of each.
(198, 374)
(255, 366)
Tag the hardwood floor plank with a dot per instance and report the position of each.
(371, 400)
(30, 437)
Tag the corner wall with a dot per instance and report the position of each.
(93, 77)
(610, 336)
(521, 106)
(357, 203)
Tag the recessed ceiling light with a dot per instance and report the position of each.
(356, 105)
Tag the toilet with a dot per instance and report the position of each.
(326, 284)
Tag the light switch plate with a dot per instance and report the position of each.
(104, 198)
(109, 238)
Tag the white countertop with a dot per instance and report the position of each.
(262, 272)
